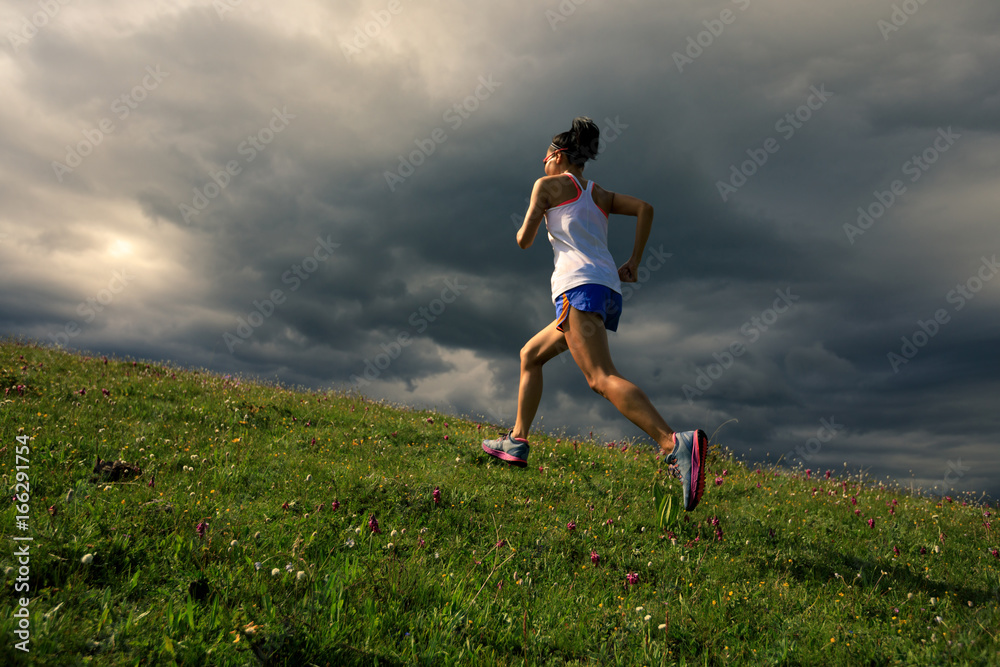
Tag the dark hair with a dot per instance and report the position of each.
(580, 142)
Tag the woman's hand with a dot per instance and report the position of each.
(627, 271)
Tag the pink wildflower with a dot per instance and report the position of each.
(871, 523)
(595, 557)
(373, 524)
(632, 578)
(571, 526)
(436, 495)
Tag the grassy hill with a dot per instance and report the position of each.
(234, 523)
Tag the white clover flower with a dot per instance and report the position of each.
(233, 543)
(256, 535)
(638, 608)
(87, 559)
(288, 567)
(349, 543)
(257, 565)
(389, 546)
(358, 530)
(647, 617)
(661, 626)
(194, 457)
(300, 575)
(275, 572)
(309, 478)
(394, 533)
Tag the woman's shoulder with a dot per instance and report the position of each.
(602, 197)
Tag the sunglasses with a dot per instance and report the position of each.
(552, 155)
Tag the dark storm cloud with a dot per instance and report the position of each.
(328, 196)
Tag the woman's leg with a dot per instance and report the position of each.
(543, 346)
(588, 343)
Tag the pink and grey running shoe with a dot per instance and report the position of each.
(507, 448)
(688, 455)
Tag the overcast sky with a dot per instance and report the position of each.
(325, 193)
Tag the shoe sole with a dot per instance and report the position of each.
(504, 456)
(699, 451)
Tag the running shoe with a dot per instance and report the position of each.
(507, 448)
(690, 450)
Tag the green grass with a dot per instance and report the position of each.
(792, 574)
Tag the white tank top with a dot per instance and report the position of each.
(578, 231)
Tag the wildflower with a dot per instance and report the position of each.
(571, 526)
(995, 553)
(420, 542)
(309, 478)
(638, 608)
(52, 510)
(923, 550)
(201, 528)
(335, 505)
(349, 544)
(390, 545)
(82, 392)
(857, 512)
(647, 617)
(808, 473)
(595, 557)
(501, 544)
(152, 482)
(284, 505)
(275, 572)
(895, 550)
(854, 501)
(871, 523)
(445, 437)
(828, 473)
(430, 420)
(718, 534)
(233, 543)
(373, 524)
(87, 559)
(288, 567)
(436, 495)
(256, 535)
(105, 392)
(718, 481)
(948, 498)
(714, 521)
(632, 578)
(609, 522)
(725, 472)
(257, 566)
(320, 506)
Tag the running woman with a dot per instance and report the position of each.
(586, 292)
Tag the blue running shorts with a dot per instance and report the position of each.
(591, 299)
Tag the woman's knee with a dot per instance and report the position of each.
(599, 383)
(529, 356)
